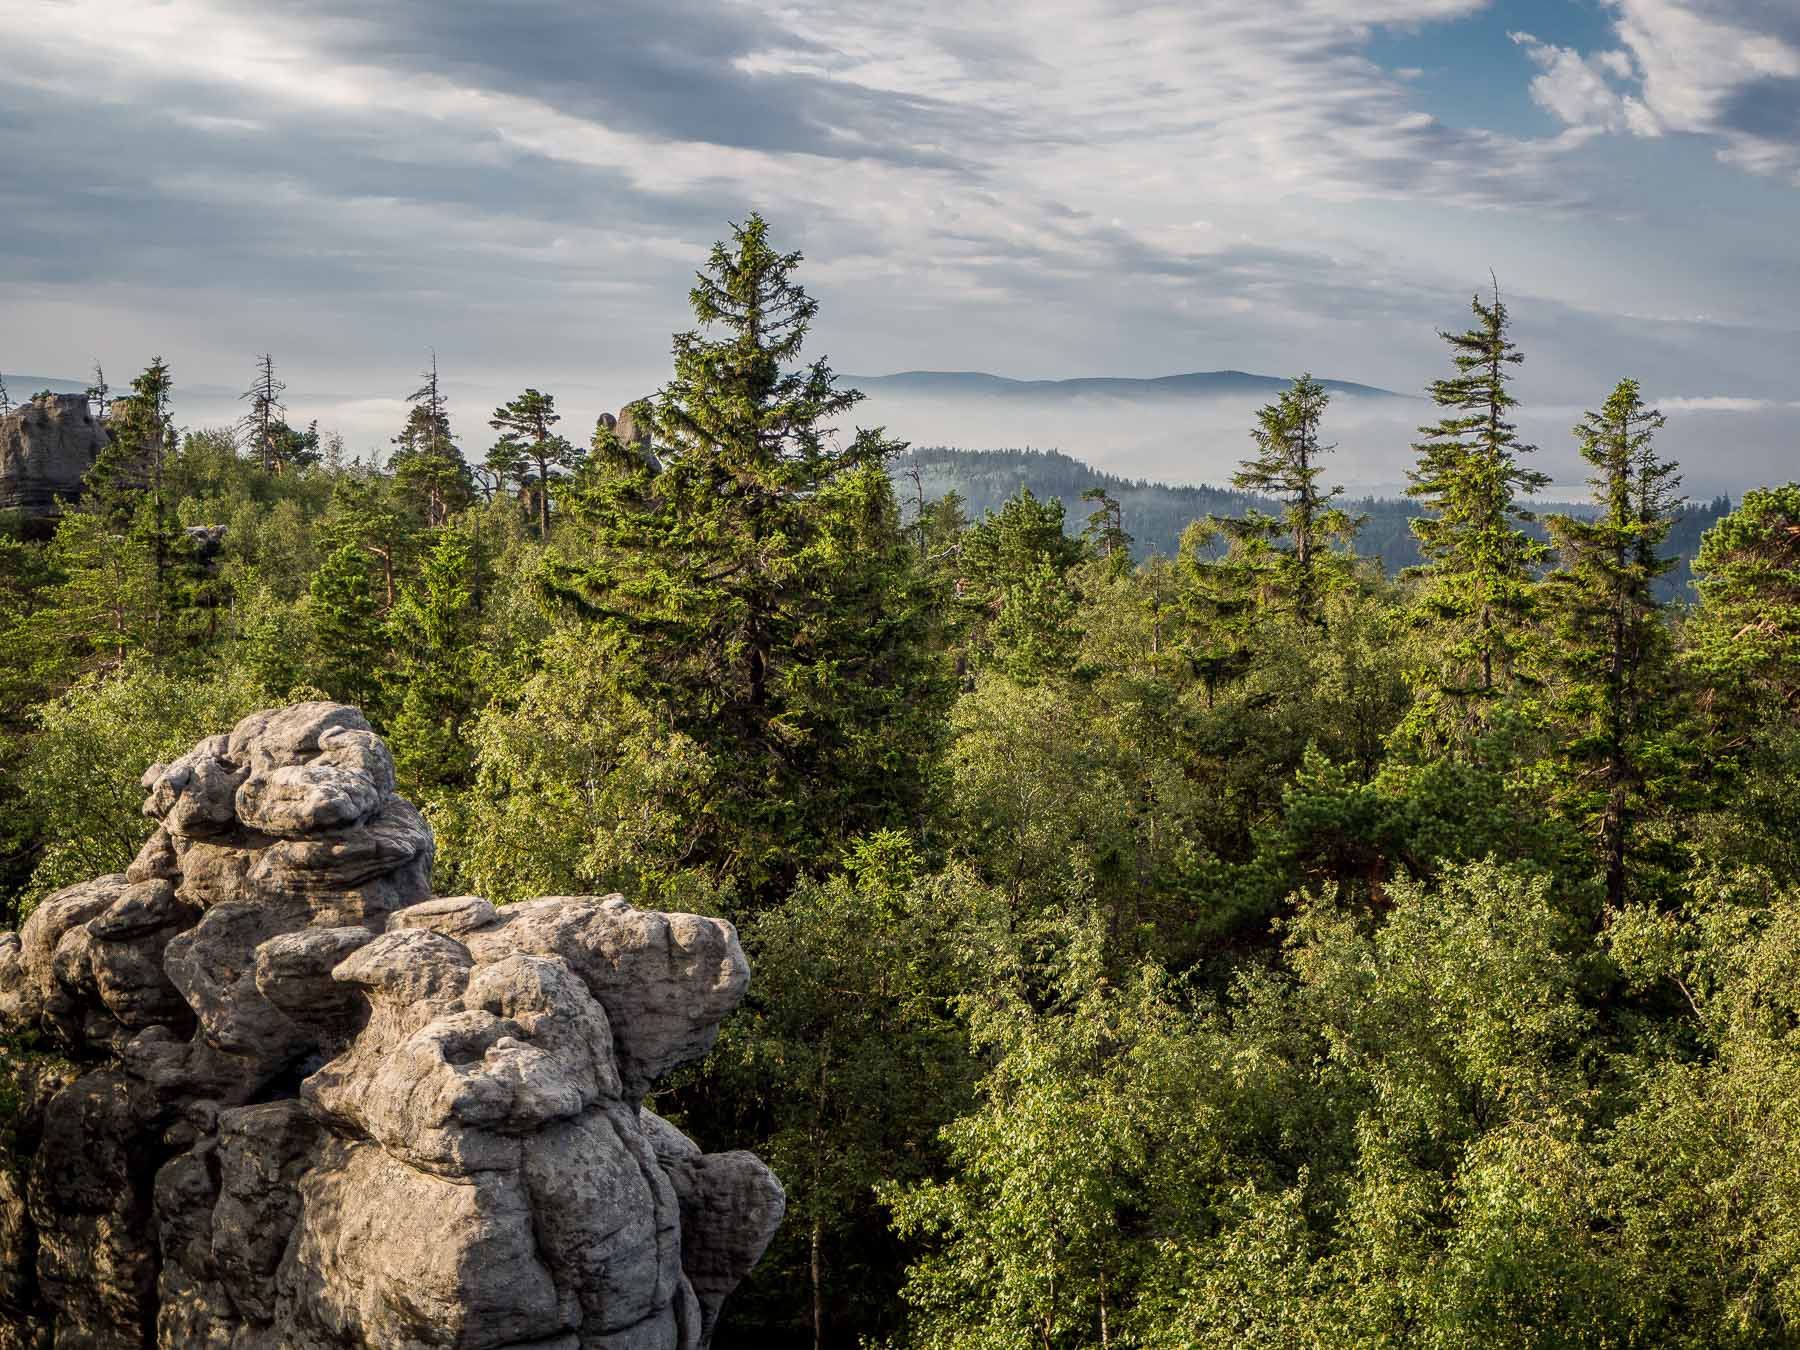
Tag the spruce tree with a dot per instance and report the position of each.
(434, 631)
(126, 486)
(755, 586)
(529, 450)
(427, 464)
(1286, 466)
(1744, 637)
(1012, 586)
(347, 632)
(1614, 649)
(1479, 575)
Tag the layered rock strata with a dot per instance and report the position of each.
(296, 1101)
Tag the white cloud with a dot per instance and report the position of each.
(1728, 69)
(1580, 90)
(1721, 403)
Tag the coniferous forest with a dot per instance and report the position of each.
(1240, 943)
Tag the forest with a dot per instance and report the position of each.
(1237, 942)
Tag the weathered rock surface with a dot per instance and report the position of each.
(47, 447)
(313, 1106)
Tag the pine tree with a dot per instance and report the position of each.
(1286, 466)
(1615, 648)
(5, 398)
(1480, 568)
(756, 584)
(427, 462)
(266, 413)
(530, 452)
(366, 516)
(1106, 530)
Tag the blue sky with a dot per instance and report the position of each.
(1072, 187)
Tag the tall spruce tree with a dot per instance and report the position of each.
(1480, 569)
(530, 452)
(349, 650)
(1615, 650)
(1286, 466)
(434, 631)
(126, 486)
(757, 587)
(427, 464)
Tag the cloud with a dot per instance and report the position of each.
(1726, 69)
(1722, 403)
(1071, 187)
(1582, 91)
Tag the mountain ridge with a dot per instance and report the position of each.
(1191, 384)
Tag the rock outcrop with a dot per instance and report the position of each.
(47, 447)
(299, 1102)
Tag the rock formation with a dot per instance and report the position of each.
(298, 1102)
(47, 447)
(632, 427)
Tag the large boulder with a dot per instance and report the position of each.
(47, 447)
(311, 1105)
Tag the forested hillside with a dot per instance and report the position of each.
(1155, 514)
(1170, 926)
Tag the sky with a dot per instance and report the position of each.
(1046, 190)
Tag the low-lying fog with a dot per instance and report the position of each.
(1724, 445)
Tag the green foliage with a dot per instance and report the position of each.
(1479, 594)
(753, 579)
(1745, 638)
(1013, 586)
(346, 630)
(79, 778)
(846, 1059)
(1616, 758)
(1154, 945)
(1286, 467)
(529, 454)
(438, 673)
(428, 468)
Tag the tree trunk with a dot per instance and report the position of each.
(818, 1282)
(543, 496)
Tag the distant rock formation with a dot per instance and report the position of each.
(47, 447)
(301, 1103)
(633, 429)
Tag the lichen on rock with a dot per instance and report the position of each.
(319, 1107)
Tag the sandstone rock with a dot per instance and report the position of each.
(47, 447)
(315, 1107)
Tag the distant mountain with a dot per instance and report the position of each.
(1198, 384)
(21, 387)
(1155, 514)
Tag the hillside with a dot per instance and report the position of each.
(1194, 384)
(1155, 514)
